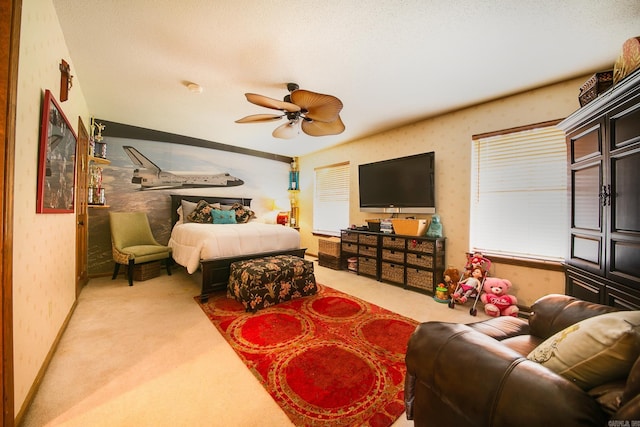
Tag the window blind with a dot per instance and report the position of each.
(331, 199)
(519, 194)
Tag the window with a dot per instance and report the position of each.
(519, 193)
(331, 199)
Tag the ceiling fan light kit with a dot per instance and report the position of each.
(194, 87)
(315, 113)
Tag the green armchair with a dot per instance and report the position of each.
(132, 242)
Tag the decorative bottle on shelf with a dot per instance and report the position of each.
(294, 175)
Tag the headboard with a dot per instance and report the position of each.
(177, 198)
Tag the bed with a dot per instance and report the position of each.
(207, 250)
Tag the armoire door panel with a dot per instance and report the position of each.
(586, 198)
(625, 198)
(586, 144)
(625, 259)
(587, 249)
(626, 127)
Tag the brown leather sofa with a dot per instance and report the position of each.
(478, 374)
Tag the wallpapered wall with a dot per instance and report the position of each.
(449, 136)
(264, 181)
(44, 244)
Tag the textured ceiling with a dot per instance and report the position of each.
(390, 62)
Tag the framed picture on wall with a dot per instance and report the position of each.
(56, 160)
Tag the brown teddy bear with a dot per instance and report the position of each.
(451, 278)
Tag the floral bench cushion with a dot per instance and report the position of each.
(263, 282)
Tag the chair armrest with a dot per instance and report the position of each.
(555, 312)
(465, 378)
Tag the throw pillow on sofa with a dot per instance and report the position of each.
(594, 351)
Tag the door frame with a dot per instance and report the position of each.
(10, 16)
(82, 233)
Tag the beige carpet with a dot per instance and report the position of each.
(148, 356)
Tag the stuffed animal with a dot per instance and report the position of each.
(496, 298)
(450, 277)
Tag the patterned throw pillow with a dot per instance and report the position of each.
(202, 213)
(223, 217)
(594, 351)
(243, 213)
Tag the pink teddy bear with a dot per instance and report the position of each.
(497, 301)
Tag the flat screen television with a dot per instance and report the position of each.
(401, 185)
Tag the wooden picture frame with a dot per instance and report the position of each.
(56, 160)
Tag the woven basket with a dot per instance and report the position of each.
(392, 242)
(392, 272)
(368, 266)
(146, 271)
(351, 248)
(424, 246)
(422, 279)
(329, 246)
(419, 260)
(348, 236)
(392, 256)
(368, 239)
(370, 251)
(329, 261)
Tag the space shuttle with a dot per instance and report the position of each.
(149, 175)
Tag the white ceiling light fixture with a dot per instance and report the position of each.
(194, 87)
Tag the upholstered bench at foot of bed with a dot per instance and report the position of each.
(263, 282)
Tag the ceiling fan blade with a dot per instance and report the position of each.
(265, 101)
(315, 128)
(257, 118)
(287, 131)
(323, 108)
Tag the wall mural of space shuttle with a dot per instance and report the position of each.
(150, 176)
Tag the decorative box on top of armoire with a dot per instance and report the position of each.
(603, 148)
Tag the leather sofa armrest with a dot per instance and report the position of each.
(465, 378)
(555, 312)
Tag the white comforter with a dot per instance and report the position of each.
(192, 242)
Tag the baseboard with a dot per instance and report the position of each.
(43, 369)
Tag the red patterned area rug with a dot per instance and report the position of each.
(328, 360)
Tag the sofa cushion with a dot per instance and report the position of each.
(594, 351)
(523, 344)
(502, 327)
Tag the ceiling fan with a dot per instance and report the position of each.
(316, 114)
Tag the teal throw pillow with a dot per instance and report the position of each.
(223, 217)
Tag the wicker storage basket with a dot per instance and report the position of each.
(370, 251)
(392, 242)
(368, 266)
(424, 246)
(422, 279)
(329, 261)
(146, 271)
(368, 239)
(330, 246)
(392, 256)
(392, 272)
(420, 260)
(348, 236)
(351, 248)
